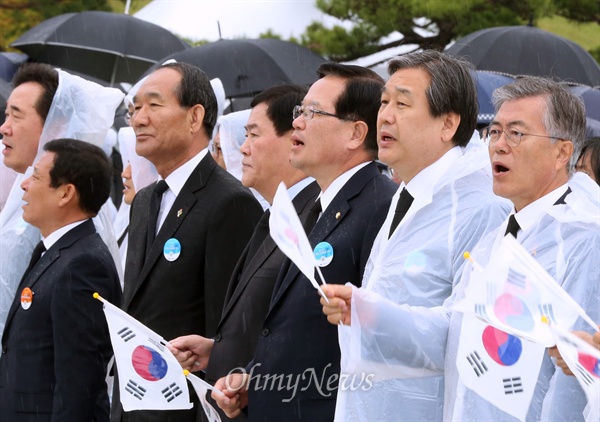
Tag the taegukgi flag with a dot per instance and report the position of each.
(501, 368)
(584, 361)
(289, 235)
(150, 378)
(202, 388)
(516, 295)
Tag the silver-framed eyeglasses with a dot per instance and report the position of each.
(492, 134)
(308, 112)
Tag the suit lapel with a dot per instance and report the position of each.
(184, 203)
(84, 229)
(330, 219)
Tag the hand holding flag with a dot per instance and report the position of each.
(202, 388)
(150, 378)
(288, 233)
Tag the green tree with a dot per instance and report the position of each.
(17, 16)
(439, 22)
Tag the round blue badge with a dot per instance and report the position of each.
(172, 249)
(323, 254)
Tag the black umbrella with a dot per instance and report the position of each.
(9, 63)
(249, 66)
(526, 50)
(5, 90)
(487, 82)
(591, 99)
(109, 46)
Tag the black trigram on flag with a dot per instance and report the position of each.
(585, 376)
(480, 311)
(546, 310)
(512, 385)
(171, 392)
(126, 334)
(135, 389)
(477, 363)
(516, 278)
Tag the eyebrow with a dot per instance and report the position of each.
(250, 126)
(15, 108)
(513, 123)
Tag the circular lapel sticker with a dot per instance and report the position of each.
(172, 249)
(323, 254)
(26, 298)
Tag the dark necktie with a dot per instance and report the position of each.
(155, 200)
(404, 203)
(512, 227)
(35, 257)
(260, 234)
(313, 216)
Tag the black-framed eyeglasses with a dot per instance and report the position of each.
(492, 134)
(308, 112)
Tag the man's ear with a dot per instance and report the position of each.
(196, 118)
(563, 153)
(67, 194)
(359, 133)
(451, 122)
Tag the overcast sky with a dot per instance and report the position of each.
(197, 19)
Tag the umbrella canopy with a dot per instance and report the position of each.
(9, 63)
(5, 90)
(247, 67)
(526, 50)
(487, 82)
(591, 99)
(109, 46)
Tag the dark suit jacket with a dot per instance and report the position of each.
(213, 218)
(297, 346)
(54, 354)
(249, 294)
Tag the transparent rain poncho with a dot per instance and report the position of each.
(81, 110)
(421, 340)
(416, 270)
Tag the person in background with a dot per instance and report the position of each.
(225, 147)
(46, 104)
(589, 159)
(56, 345)
(190, 227)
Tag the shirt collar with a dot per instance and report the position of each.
(177, 179)
(425, 180)
(529, 215)
(55, 236)
(337, 185)
(297, 188)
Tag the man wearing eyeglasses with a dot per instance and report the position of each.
(534, 141)
(295, 371)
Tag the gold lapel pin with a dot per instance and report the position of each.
(179, 213)
(338, 215)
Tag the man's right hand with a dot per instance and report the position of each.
(192, 352)
(235, 393)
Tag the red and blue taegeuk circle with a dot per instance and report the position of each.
(502, 347)
(513, 312)
(590, 363)
(148, 363)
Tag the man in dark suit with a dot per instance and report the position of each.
(266, 164)
(56, 345)
(185, 242)
(294, 373)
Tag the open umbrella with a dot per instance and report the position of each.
(249, 66)
(526, 50)
(5, 90)
(591, 99)
(9, 63)
(487, 82)
(109, 46)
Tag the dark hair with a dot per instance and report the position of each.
(452, 88)
(592, 147)
(280, 101)
(42, 74)
(85, 166)
(195, 88)
(360, 99)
